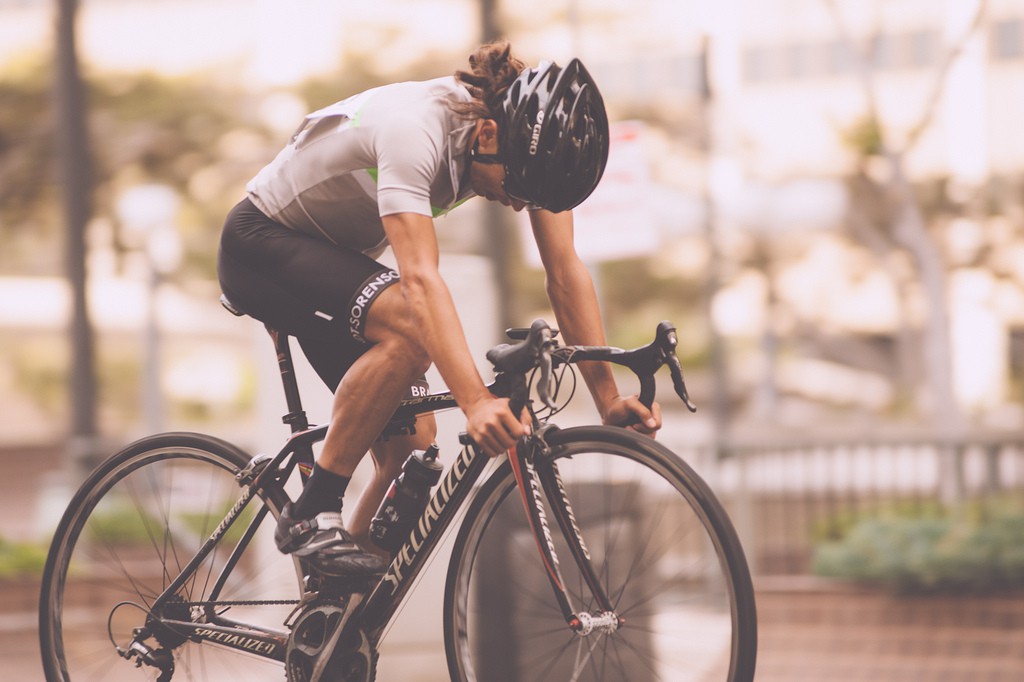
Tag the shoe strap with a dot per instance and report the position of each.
(328, 521)
(322, 521)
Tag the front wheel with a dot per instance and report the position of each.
(661, 545)
(127, 534)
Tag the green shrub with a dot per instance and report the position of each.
(124, 525)
(981, 552)
(121, 525)
(21, 559)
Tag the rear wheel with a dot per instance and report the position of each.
(127, 534)
(662, 548)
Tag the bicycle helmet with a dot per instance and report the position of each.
(554, 136)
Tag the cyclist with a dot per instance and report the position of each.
(375, 169)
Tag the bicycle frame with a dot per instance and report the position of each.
(375, 612)
(384, 598)
(266, 474)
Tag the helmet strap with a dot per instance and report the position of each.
(489, 159)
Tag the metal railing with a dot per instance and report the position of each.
(785, 496)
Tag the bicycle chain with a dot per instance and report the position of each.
(272, 602)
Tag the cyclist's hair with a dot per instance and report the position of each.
(492, 70)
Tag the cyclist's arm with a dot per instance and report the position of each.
(574, 301)
(414, 242)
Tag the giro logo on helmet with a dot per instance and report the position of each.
(535, 136)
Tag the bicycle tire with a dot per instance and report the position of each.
(663, 548)
(135, 521)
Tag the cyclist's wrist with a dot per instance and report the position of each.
(599, 379)
(474, 400)
(606, 402)
(612, 411)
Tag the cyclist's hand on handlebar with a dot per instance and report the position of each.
(492, 426)
(629, 412)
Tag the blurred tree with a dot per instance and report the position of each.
(76, 179)
(199, 138)
(26, 181)
(888, 217)
(204, 140)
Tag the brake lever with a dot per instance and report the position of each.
(519, 359)
(667, 340)
(677, 381)
(544, 388)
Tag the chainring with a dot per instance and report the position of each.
(353, 658)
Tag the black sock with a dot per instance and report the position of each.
(322, 493)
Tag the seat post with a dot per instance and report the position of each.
(296, 417)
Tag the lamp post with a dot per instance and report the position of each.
(147, 213)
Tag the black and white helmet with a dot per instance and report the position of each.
(554, 136)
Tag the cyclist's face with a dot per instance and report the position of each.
(488, 179)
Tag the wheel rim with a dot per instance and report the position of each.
(140, 524)
(652, 552)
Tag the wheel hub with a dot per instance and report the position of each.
(605, 622)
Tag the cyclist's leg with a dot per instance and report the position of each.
(388, 457)
(375, 384)
(364, 402)
(389, 452)
(341, 306)
(342, 301)
(295, 284)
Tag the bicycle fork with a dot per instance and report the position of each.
(537, 480)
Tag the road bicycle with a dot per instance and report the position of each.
(586, 553)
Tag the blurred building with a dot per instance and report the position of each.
(760, 149)
(786, 93)
(784, 76)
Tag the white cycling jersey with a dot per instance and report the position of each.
(393, 149)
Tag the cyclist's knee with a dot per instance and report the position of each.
(406, 348)
(411, 352)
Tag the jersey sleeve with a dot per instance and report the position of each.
(408, 161)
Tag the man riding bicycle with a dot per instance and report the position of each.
(373, 170)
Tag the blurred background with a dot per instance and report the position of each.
(826, 197)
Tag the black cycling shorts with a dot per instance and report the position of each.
(308, 288)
